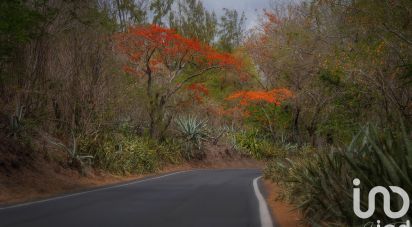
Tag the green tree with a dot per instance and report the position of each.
(192, 20)
(231, 29)
(160, 9)
(130, 12)
(19, 23)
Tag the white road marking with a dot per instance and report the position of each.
(94, 190)
(265, 217)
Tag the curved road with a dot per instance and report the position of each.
(199, 198)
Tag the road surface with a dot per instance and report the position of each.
(199, 198)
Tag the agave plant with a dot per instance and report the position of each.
(16, 120)
(194, 132)
(75, 158)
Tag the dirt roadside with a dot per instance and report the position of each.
(283, 213)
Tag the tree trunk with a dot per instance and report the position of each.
(296, 132)
(158, 123)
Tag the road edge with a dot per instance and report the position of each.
(265, 215)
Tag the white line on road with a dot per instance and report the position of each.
(265, 217)
(94, 190)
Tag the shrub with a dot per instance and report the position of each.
(129, 155)
(321, 184)
(250, 143)
(126, 154)
(170, 152)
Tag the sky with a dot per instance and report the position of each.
(252, 8)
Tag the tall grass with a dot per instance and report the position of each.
(252, 144)
(127, 154)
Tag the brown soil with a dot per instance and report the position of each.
(38, 177)
(283, 212)
(27, 174)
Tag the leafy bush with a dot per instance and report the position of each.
(170, 152)
(321, 184)
(252, 144)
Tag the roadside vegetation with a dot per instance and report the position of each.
(319, 90)
(347, 64)
(114, 85)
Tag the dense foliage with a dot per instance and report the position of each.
(75, 74)
(346, 64)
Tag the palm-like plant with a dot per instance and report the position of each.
(194, 131)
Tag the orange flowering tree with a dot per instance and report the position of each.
(198, 91)
(167, 62)
(274, 96)
(256, 104)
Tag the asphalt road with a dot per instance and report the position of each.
(200, 198)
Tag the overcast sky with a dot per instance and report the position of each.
(252, 8)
